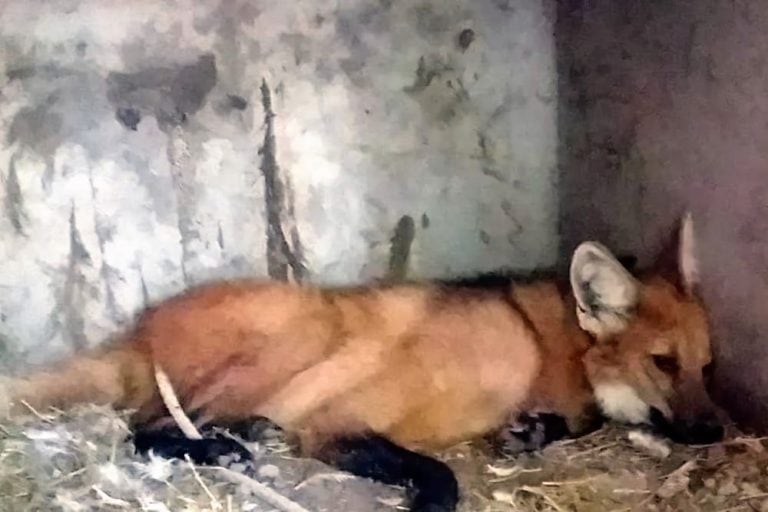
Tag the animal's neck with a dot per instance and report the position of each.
(562, 384)
(551, 311)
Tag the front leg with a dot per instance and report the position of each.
(529, 432)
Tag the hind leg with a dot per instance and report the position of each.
(432, 483)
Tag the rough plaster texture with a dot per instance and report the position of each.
(147, 146)
(664, 109)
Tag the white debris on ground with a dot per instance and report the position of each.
(656, 447)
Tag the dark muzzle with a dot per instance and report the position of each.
(705, 428)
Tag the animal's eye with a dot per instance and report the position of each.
(667, 364)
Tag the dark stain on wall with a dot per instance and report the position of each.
(220, 237)
(103, 235)
(465, 38)
(237, 102)
(129, 117)
(281, 256)
(20, 73)
(14, 202)
(37, 127)
(431, 21)
(424, 76)
(400, 248)
(71, 301)
(171, 94)
(439, 89)
(352, 33)
(144, 292)
(301, 46)
(486, 158)
(504, 5)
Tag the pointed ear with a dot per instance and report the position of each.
(678, 261)
(605, 292)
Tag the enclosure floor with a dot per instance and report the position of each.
(81, 462)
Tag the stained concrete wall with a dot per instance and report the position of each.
(146, 146)
(664, 108)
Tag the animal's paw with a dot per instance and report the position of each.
(530, 432)
(254, 429)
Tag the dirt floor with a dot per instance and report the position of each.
(81, 462)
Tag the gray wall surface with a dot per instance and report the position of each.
(664, 108)
(146, 146)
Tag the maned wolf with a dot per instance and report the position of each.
(372, 378)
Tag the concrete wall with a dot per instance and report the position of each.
(664, 108)
(149, 145)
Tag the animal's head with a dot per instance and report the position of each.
(651, 351)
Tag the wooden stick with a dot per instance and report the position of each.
(263, 492)
(172, 404)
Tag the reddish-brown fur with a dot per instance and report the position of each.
(422, 365)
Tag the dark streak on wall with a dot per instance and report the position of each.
(280, 255)
(14, 202)
(103, 235)
(400, 248)
(70, 302)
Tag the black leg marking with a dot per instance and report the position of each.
(531, 432)
(171, 443)
(432, 482)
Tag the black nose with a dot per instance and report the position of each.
(705, 429)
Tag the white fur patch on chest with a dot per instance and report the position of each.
(620, 402)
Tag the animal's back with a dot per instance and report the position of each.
(419, 364)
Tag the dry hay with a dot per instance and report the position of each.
(608, 472)
(79, 461)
